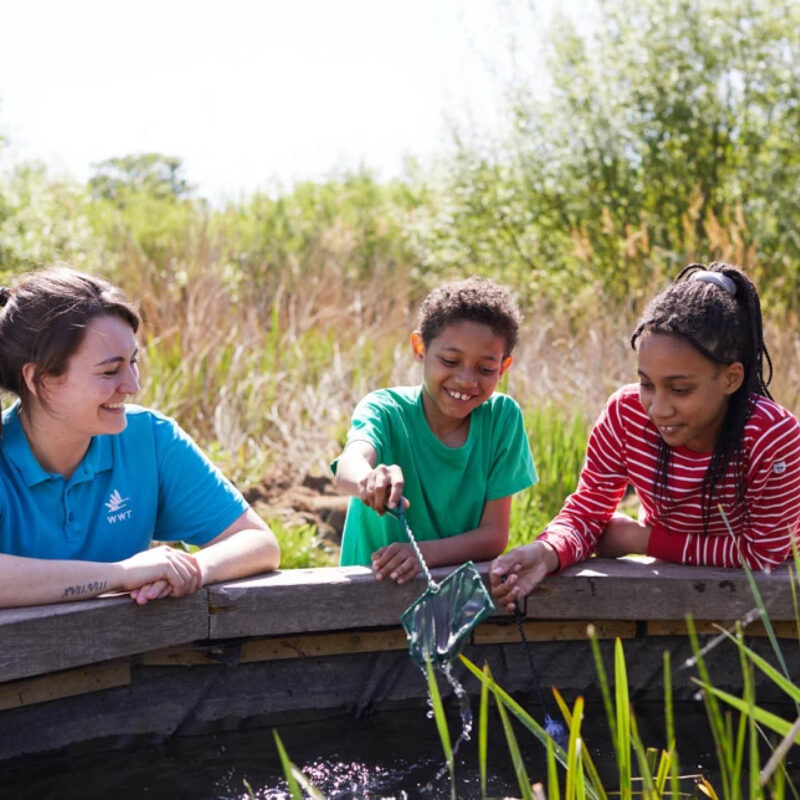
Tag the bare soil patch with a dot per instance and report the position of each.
(309, 500)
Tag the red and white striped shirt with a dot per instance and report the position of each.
(623, 449)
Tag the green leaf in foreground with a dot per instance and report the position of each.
(513, 748)
(763, 717)
(441, 725)
(483, 734)
(288, 769)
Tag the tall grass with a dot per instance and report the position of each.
(558, 441)
(265, 322)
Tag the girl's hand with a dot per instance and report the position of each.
(621, 536)
(396, 561)
(519, 571)
(159, 572)
(382, 488)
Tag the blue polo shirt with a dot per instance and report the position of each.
(149, 482)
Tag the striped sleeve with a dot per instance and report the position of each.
(763, 538)
(574, 532)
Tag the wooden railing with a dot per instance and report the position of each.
(45, 639)
(290, 644)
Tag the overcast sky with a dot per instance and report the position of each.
(248, 92)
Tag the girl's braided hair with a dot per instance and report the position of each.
(724, 328)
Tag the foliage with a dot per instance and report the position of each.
(301, 546)
(558, 441)
(153, 174)
(350, 226)
(666, 137)
(44, 220)
(642, 772)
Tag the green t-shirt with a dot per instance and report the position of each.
(447, 487)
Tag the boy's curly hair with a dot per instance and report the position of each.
(476, 300)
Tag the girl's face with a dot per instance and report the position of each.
(102, 373)
(684, 393)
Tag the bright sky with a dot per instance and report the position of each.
(247, 92)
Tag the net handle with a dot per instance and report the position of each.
(398, 514)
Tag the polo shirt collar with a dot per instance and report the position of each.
(17, 449)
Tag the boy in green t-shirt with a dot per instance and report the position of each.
(452, 449)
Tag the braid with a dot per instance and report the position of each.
(724, 329)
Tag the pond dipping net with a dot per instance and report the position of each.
(439, 621)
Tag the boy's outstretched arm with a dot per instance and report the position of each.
(519, 571)
(379, 487)
(398, 562)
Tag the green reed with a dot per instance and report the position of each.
(441, 725)
(642, 772)
(302, 547)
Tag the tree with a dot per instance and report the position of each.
(152, 174)
(667, 135)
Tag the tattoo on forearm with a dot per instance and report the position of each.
(85, 588)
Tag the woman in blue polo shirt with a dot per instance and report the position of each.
(88, 481)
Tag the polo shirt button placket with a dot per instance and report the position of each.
(72, 528)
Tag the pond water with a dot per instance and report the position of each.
(393, 754)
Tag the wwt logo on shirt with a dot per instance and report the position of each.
(117, 508)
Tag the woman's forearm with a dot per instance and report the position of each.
(244, 552)
(31, 581)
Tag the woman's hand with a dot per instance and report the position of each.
(396, 561)
(519, 571)
(160, 572)
(621, 536)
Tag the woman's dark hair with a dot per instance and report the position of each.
(43, 319)
(476, 300)
(717, 311)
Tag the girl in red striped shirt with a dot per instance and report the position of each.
(699, 432)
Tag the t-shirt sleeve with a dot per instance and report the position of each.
(195, 501)
(512, 467)
(577, 527)
(367, 424)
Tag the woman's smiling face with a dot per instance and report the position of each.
(88, 399)
(684, 393)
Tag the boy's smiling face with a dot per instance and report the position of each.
(461, 369)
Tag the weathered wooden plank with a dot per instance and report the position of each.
(334, 598)
(305, 600)
(552, 631)
(51, 638)
(278, 648)
(68, 683)
(55, 637)
(646, 589)
(325, 644)
(784, 629)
